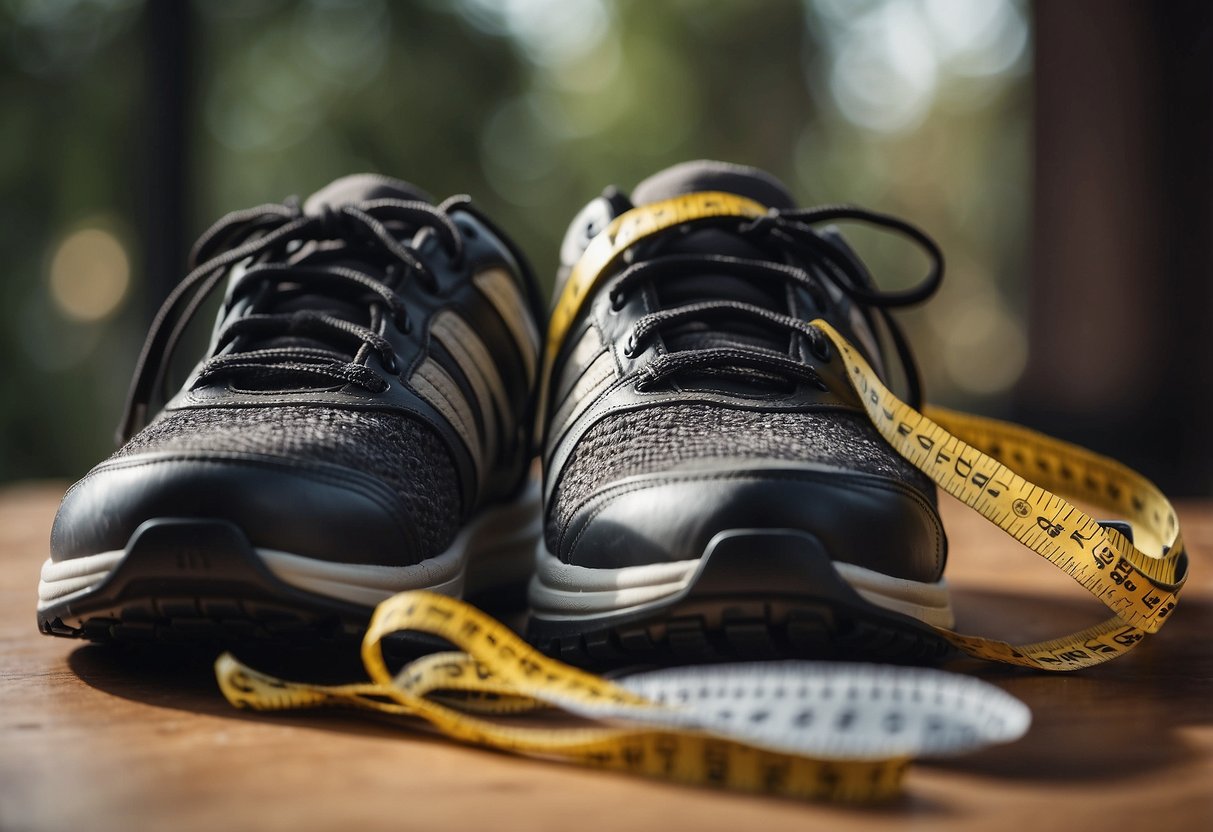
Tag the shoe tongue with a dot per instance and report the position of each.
(706, 175)
(360, 187)
(692, 177)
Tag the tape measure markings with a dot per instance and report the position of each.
(798, 729)
(966, 473)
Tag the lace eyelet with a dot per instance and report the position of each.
(821, 349)
(629, 349)
(392, 364)
(618, 301)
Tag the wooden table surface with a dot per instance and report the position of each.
(93, 739)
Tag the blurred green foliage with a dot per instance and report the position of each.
(916, 107)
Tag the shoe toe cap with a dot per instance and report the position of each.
(867, 520)
(313, 509)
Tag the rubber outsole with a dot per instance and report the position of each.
(756, 595)
(200, 582)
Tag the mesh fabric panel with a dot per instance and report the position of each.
(657, 439)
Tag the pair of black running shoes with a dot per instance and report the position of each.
(683, 474)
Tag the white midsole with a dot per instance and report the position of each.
(68, 577)
(498, 543)
(563, 592)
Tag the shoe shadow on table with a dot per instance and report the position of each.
(184, 680)
(1108, 722)
(183, 676)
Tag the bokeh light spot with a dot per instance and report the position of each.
(986, 348)
(550, 32)
(90, 274)
(889, 60)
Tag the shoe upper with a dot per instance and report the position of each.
(689, 397)
(368, 386)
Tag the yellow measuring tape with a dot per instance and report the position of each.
(966, 456)
(795, 729)
(784, 728)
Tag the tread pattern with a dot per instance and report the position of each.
(177, 619)
(742, 630)
(186, 623)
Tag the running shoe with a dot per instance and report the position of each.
(360, 424)
(713, 488)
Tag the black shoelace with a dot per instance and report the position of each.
(273, 232)
(791, 233)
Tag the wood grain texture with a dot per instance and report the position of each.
(93, 739)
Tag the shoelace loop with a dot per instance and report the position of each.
(283, 228)
(792, 232)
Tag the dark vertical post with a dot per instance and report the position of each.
(1123, 230)
(1183, 40)
(165, 164)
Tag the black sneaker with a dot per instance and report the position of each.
(713, 489)
(360, 425)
